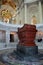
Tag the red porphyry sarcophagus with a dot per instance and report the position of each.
(27, 35)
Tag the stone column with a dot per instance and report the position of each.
(40, 11)
(7, 37)
(25, 6)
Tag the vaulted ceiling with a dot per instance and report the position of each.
(13, 3)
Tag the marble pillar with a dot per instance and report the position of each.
(40, 11)
(25, 6)
(7, 37)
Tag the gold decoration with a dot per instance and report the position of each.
(34, 20)
(6, 14)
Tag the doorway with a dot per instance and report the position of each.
(11, 38)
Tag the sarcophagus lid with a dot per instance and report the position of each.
(27, 27)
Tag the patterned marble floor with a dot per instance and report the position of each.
(16, 62)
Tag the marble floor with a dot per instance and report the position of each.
(15, 62)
